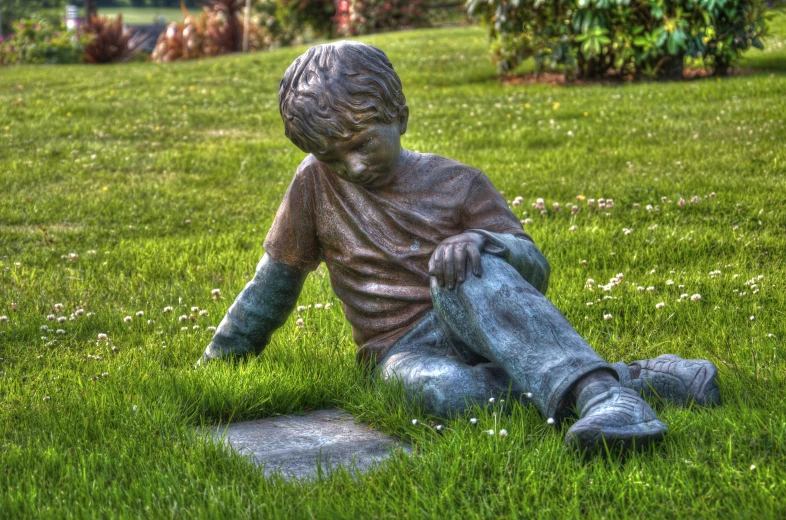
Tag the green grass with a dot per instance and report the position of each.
(145, 15)
(110, 162)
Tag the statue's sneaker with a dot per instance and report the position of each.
(615, 417)
(679, 381)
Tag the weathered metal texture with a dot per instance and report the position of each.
(296, 445)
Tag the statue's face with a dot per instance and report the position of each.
(370, 157)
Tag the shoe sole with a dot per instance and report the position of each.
(637, 435)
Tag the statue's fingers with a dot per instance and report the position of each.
(461, 262)
(437, 260)
(474, 258)
(449, 267)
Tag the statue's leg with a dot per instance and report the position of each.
(503, 318)
(427, 364)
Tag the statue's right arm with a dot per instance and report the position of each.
(260, 308)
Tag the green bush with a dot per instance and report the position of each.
(296, 21)
(43, 42)
(650, 38)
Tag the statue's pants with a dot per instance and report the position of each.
(488, 335)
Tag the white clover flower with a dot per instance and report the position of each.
(503, 433)
(195, 327)
(490, 432)
(608, 317)
(61, 319)
(660, 305)
(492, 400)
(328, 305)
(414, 422)
(44, 328)
(58, 307)
(59, 331)
(301, 308)
(216, 293)
(182, 318)
(669, 282)
(127, 319)
(318, 306)
(752, 318)
(695, 297)
(203, 312)
(3, 319)
(211, 329)
(167, 309)
(650, 288)
(473, 421)
(140, 314)
(51, 317)
(135, 408)
(79, 312)
(299, 323)
(573, 228)
(102, 336)
(194, 309)
(550, 420)
(439, 427)
(529, 395)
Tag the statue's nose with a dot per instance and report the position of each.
(356, 168)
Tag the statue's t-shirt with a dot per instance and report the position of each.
(376, 243)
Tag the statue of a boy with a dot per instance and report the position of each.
(441, 284)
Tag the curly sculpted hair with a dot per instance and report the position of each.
(334, 90)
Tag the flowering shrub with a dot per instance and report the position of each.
(42, 42)
(638, 37)
(355, 17)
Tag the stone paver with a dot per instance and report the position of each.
(294, 443)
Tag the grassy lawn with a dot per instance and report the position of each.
(162, 180)
(145, 15)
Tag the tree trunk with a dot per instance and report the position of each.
(90, 10)
(674, 67)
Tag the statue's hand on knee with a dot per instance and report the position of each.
(455, 256)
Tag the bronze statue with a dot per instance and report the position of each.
(441, 284)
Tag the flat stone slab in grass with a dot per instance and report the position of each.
(294, 443)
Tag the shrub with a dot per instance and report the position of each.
(42, 42)
(217, 30)
(110, 41)
(355, 17)
(296, 21)
(648, 38)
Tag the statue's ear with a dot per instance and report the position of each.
(403, 118)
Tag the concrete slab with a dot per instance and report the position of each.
(293, 444)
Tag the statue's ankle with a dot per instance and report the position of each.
(591, 385)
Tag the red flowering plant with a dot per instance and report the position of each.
(354, 17)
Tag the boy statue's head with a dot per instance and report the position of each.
(343, 103)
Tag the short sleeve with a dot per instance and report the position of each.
(484, 208)
(292, 238)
